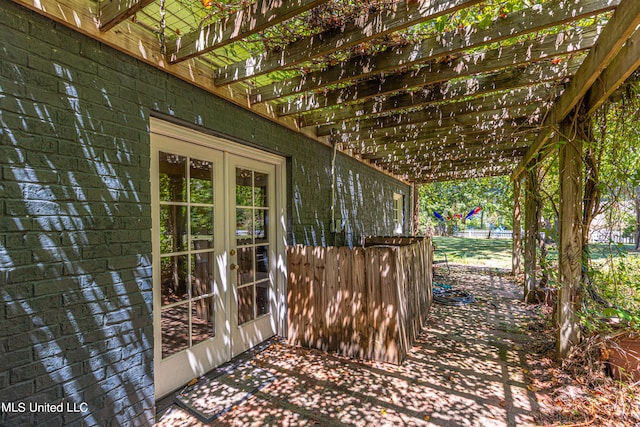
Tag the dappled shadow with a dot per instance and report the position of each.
(363, 204)
(467, 368)
(76, 317)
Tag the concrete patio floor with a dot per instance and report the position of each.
(467, 368)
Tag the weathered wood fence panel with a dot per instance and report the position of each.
(366, 302)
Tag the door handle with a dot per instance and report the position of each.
(234, 267)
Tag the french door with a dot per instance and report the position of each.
(252, 252)
(215, 283)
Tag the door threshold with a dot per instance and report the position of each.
(164, 404)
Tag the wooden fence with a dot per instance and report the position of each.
(367, 302)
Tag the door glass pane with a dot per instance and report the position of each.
(202, 327)
(173, 276)
(260, 189)
(173, 177)
(173, 228)
(201, 188)
(260, 227)
(262, 262)
(245, 304)
(244, 188)
(245, 265)
(262, 298)
(202, 227)
(202, 274)
(175, 329)
(244, 226)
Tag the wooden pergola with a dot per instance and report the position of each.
(424, 90)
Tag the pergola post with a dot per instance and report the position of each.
(416, 208)
(516, 255)
(531, 215)
(570, 249)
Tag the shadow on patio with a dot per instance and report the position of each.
(467, 369)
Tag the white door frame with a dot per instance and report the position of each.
(160, 128)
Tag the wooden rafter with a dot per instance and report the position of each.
(422, 122)
(113, 12)
(435, 149)
(492, 101)
(488, 158)
(251, 20)
(465, 65)
(416, 130)
(479, 172)
(505, 79)
(464, 103)
(404, 14)
(460, 137)
(504, 102)
(448, 45)
(620, 69)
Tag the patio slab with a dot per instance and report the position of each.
(467, 368)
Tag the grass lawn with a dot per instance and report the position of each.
(481, 252)
(497, 253)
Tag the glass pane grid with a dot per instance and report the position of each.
(188, 315)
(252, 213)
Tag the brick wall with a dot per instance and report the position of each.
(75, 242)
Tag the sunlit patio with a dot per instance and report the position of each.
(467, 368)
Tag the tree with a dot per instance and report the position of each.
(618, 137)
(493, 194)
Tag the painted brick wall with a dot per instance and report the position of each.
(75, 243)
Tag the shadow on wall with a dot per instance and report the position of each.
(309, 186)
(363, 204)
(365, 209)
(75, 248)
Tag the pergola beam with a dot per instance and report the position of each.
(466, 65)
(250, 20)
(113, 12)
(413, 131)
(492, 100)
(506, 79)
(449, 165)
(404, 14)
(556, 12)
(419, 123)
(460, 174)
(456, 134)
(503, 105)
(447, 152)
(620, 69)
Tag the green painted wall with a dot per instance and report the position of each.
(75, 241)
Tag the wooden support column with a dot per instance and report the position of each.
(531, 232)
(570, 249)
(416, 208)
(516, 255)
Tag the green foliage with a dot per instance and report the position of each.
(494, 195)
(617, 281)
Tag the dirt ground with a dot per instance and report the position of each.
(488, 363)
